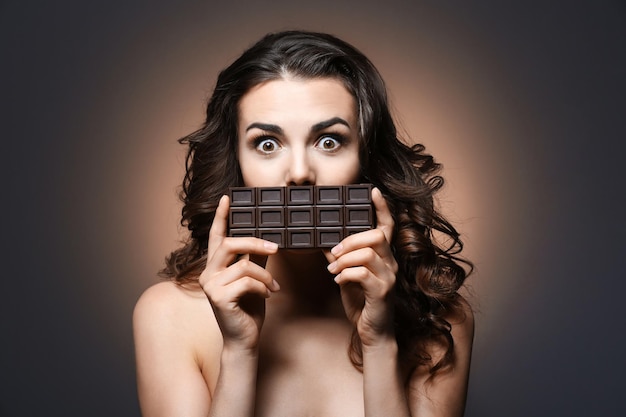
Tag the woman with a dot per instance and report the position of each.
(372, 327)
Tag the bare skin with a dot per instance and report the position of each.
(252, 341)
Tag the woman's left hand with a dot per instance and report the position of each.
(366, 272)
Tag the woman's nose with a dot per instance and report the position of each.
(300, 170)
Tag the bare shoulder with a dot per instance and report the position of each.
(168, 309)
(166, 300)
(176, 339)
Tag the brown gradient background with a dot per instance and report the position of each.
(524, 104)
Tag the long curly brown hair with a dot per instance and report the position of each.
(429, 274)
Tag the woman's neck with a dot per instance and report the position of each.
(307, 288)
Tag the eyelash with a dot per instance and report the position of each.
(256, 141)
(341, 140)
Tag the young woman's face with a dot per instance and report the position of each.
(298, 132)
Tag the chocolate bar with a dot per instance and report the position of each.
(301, 216)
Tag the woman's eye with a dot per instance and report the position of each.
(267, 145)
(328, 143)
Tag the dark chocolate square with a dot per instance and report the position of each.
(242, 196)
(358, 215)
(271, 217)
(301, 237)
(329, 216)
(271, 196)
(242, 217)
(328, 195)
(300, 195)
(328, 237)
(273, 235)
(300, 216)
(358, 194)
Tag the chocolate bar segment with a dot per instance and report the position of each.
(274, 235)
(358, 215)
(328, 237)
(243, 196)
(358, 194)
(331, 195)
(301, 237)
(242, 217)
(271, 217)
(329, 216)
(301, 195)
(301, 216)
(271, 196)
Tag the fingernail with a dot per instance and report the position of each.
(332, 267)
(270, 245)
(275, 286)
(336, 249)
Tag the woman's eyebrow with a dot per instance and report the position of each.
(266, 126)
(328, 123)
(315, 128)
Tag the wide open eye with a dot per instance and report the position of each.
(329, 143)
(266, 145)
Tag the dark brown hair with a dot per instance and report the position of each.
(429, 274)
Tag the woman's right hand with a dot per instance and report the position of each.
(235, 286)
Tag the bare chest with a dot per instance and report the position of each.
(305, 370)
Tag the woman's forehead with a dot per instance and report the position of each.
(292, 98)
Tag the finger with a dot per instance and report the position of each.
(375, 239)
(384, 219)
(232, 247)
(219, 226)
(365, 257)
(241, 269)
(329, 256)
(236, 290)
(357, 275)
(246, 286)
(372, 288)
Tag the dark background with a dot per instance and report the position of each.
(523, 102)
